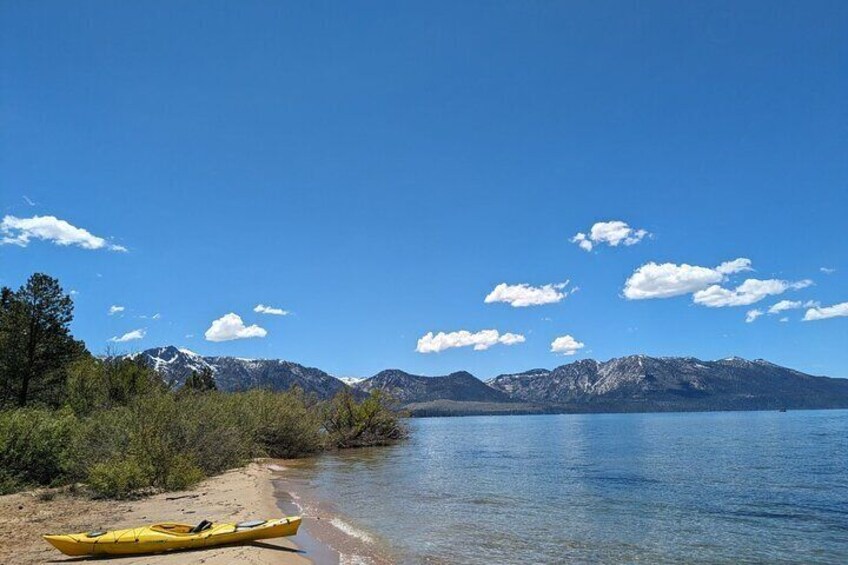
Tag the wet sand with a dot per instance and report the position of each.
(237, 495)
(330, 537)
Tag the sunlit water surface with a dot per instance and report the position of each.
(695, 488)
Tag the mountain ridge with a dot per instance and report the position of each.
(628, 383)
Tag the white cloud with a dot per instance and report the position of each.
(584, 242)
(824, 312)
(434, 343)
(612, 233)
(115, 310)
(827, 270)
(29, 201)
(784, 305)
(511, 339)
(735, 266)
(262, 309)
(566, 345)
(230, 327)
(665, 280)
(784, 319)
(749, 292)
(19, 231)
(752, 315)
(521, 295)
(129, 336)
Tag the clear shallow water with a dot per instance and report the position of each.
(697, 488)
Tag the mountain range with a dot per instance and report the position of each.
(233, 374)
(632, 383)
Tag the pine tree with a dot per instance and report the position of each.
(36, 345)
(203, 381)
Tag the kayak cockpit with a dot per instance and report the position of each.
(182, 529)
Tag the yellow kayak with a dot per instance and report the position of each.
(169, 537)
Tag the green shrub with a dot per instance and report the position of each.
(284, 425)
(118, 477)
(182, 473)
(349, 423)
(97, 439)
(122, 443)
(171, 440)
(33, 446)
(100, 384)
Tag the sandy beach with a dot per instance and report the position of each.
(240, 494)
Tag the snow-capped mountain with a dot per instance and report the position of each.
(686, 383)
(235, 373)
(351, 381)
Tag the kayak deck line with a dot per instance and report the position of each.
(171, 536)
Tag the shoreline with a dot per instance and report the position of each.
(329, 536)
(240, 494)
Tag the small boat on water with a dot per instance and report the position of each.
(169, 537)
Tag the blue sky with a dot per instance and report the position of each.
(377, 169)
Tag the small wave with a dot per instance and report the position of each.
(345, 559)
(351, 531)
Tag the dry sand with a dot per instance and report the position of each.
(237, 495)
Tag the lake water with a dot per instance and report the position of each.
(739, 487)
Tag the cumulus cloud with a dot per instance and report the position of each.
(511, 339)
(521, 295)
(827, 270)
(752, 315)
(749, 292)
(824, 312)
(735, 266)
(784, 305)
(230, 327)
(262, 309)
(115, 310)
(784, 319)
(129, 336)
(566, 345)
(19, 231)
(613, 233)
(482, 340)
(665, 280)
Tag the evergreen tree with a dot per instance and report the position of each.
(203, 381)
(36, 346)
